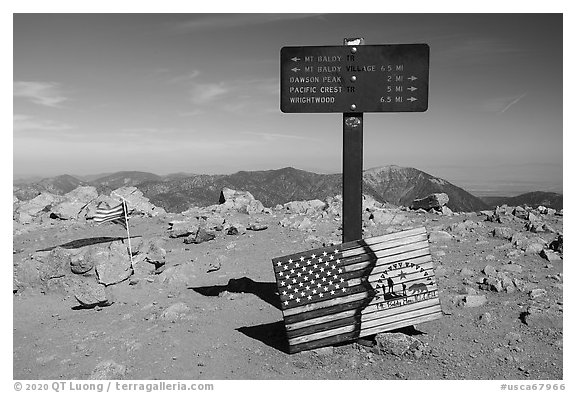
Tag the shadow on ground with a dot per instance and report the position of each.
(90, 241)
(271, 334)
(266, 291)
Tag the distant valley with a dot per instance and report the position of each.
(178, 192)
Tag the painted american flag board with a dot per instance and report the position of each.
(355, 289)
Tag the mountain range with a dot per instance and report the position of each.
(178, 192)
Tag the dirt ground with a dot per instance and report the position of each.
(235, 331)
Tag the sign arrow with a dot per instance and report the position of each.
(295, 59)
(412, 88)
(412, 78)
(295, 69)
(412, 99)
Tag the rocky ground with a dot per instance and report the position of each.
(198, 300)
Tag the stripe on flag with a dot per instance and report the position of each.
(343, 292)
(116, 214)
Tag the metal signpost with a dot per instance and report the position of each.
(353, 79)
(361, 287)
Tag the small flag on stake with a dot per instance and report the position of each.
(340, 293)
(116, 214)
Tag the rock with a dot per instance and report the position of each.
(75, 202)
(89, 293)
(181, 276)
(506, 282)
(466, 272)
(474, 300)
(213, 267)
(256, 226)
(152, 251)
(213, 222)
(550, 255)
(520, 212)
(383, 217)
(519, 240)
(113, 264)
(200, 236)
(240, 201)
(446, 211)
(304, 207)
(183, 228)
(537, 292)
(539, 319)
(486, 317)
(370, 204)
(439, 236)
(234, 229)
(503, 233)
(79, 264)
(557, 244)
(108, 369)
(490, 271)
(137, 202)
(492, 284)
(433, 201)
(534, 247)
(53, 264)
(304, 224)
(397, 344)
(523, 286)
(175, 312)
(27, 211)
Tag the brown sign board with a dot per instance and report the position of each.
(348, 79)
(355, 289)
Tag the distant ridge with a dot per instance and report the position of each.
(58, 185)
(125, 178)
(393, 184)
(532, 199)
(178, 192)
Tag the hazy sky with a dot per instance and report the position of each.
(200, 93)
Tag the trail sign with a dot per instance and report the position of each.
(363, 78)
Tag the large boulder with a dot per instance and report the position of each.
(240, 201)
(137, 202)
(76, 201)
(184, 228)
(432, 201)
(304, 207)
(88, 292)
(387, 217)
(28, 210)
(334, 204)
(112, 264)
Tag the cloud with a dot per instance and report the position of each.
(41, 93)
(501, 104)
(512, 102)
(204, 93)
(29, 123)
(236, 96)
(227, 21)
(185, 78)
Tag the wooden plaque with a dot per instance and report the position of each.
(340, 293)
